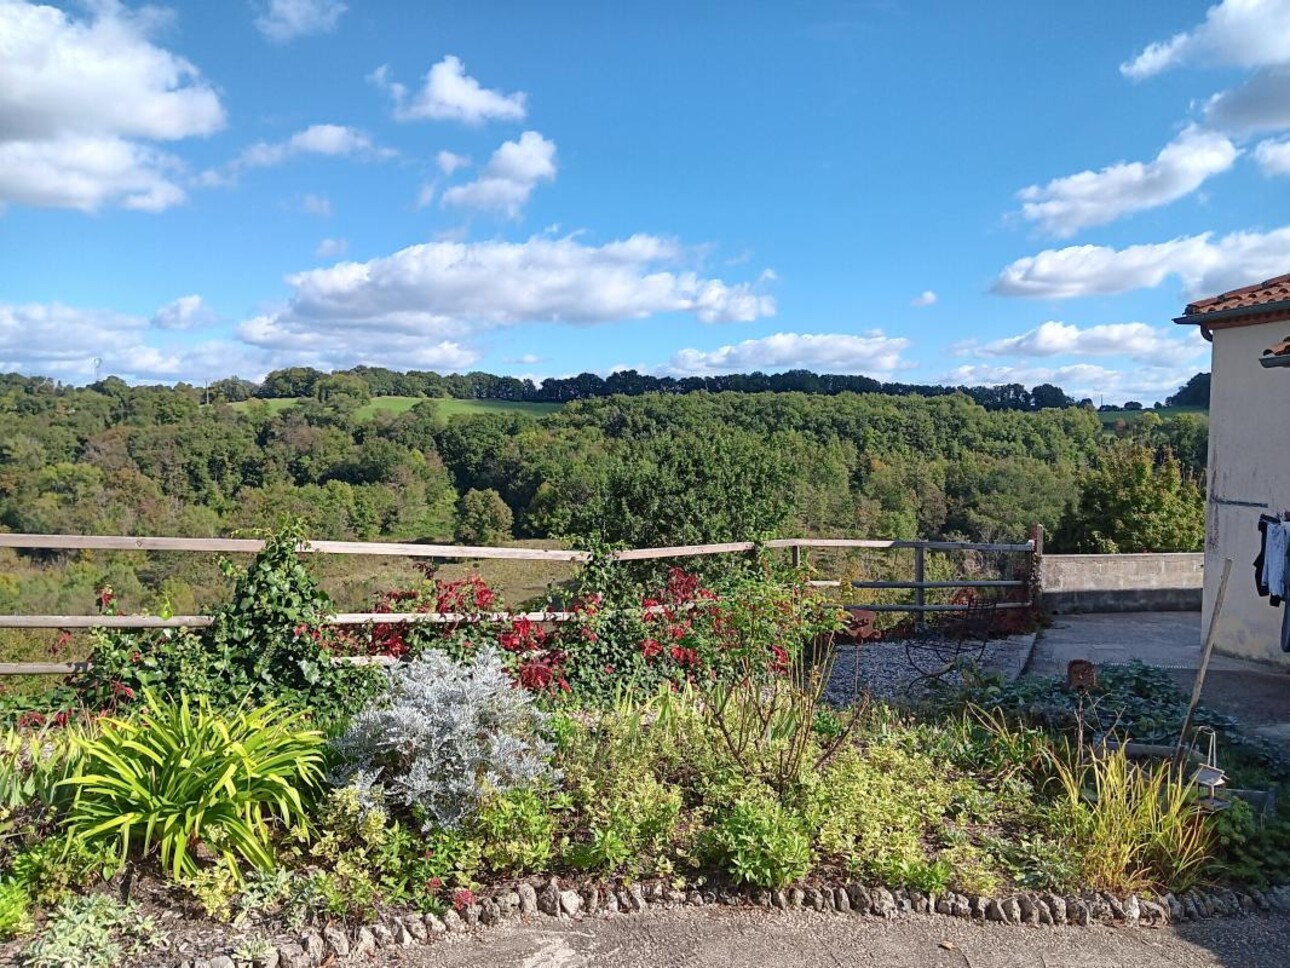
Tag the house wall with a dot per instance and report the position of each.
(1122, 583)
(1249, 474)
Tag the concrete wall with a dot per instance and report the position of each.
(1122, 583)
(1249, 474)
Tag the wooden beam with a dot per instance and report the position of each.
(1012, 583)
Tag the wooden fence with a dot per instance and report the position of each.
(798, 547)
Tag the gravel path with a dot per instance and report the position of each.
(885, 671)
(731, 938)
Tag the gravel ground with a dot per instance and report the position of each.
(885, 671)
(726, 938)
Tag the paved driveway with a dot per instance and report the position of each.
(742, 938)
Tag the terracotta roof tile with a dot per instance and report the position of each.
(1260, 294)
(1279, 349)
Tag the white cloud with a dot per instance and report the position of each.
(1204, 264)
(507, 181)
(924, 298)
(1273, 157)
(330, 248)
(79, 99)
(1241, 33)
(326, 140)
(62, 341)
(425, 194)
(450, 94)
(319, 205)
(527, 359)
(449, 161)
(1151, 345)
(186, 312)
(422, 305)
(285, 20)
(870, 353)
(1066, 205)
(1260, 104)
(1079, 380)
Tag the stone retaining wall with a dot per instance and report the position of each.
(1123, 583)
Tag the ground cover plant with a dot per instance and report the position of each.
(675, 728)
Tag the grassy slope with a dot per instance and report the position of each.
(449, 408)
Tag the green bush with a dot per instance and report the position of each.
(176, 778)
(516, 830)
(761, 843)
(15, 910)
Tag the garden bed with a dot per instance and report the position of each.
(673, 743)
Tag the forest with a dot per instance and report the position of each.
(649, 469)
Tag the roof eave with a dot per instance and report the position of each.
(1206, 320)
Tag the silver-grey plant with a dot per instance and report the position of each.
(443, 735)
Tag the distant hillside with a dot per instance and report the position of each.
(397, 405)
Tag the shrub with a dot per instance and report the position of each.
(15, 910)
(93, 931)
(761, 843)
(177, 778)
(444, 735)
(515, 830)
(268, 643)
(482, 518)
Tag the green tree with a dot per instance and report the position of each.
(482, 518)
(1131, 500)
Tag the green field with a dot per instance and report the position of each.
(447, 407)
(1109, 417)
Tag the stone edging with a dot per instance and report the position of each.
(315, 946)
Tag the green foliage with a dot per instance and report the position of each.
(483, 518)
(760, 842)
(516, 830)
(176, 778)
(51, 868)
(1133, 827)
(93, 931)
(15, 910)
(1131, 501)
(267, 644)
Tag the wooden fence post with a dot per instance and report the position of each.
(797, 556)
(920, 576)
(1036, 556)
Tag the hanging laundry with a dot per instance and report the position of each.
(1260, 582)
(1274, 560)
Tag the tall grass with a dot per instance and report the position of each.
(1135, 827)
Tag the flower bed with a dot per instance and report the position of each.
(673, 745)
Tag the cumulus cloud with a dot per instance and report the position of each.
(924, 298)
(1066, 205)
(507, 181)
(282, 21)
(1273, 157)
(330, 248)
(186, 312)
(871, 353)
(1260, 104)
(1205, 265)
(423, 304)
(80, 100)
(1150, 345)
(62, 341)
(1079, 380)
(450, 94)
(1240, 33)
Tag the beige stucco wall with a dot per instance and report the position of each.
(1249, 473)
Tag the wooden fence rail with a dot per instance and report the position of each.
(72, 542)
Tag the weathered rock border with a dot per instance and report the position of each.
(314, 946)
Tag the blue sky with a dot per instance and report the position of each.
(918, 191)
